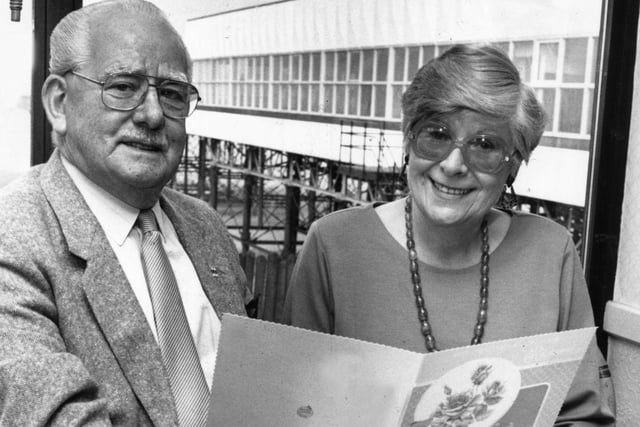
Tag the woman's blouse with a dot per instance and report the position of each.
(352, 279)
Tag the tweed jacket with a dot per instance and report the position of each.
(75, 346)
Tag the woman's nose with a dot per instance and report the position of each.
(454, 163)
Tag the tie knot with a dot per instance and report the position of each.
(147, 221)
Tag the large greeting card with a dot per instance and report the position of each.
(274, 375)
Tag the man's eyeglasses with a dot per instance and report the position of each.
(482, 153)
(126, 91)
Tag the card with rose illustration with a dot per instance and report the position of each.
(274, 375)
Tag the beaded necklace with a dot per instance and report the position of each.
(423, 316)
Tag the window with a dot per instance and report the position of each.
(369, 83)
(16, 42)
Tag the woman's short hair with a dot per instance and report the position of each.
(478, 78)
(71, 38)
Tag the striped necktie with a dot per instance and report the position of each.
(179, 354)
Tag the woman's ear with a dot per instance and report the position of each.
(54, 94)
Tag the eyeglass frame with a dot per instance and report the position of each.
(144, 95)
(462, 145)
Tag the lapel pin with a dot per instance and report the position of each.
(214, 271)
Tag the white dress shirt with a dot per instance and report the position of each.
(118, 222)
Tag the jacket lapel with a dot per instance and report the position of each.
(207, 257)
(110, 296)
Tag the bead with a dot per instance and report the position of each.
(479, 330)
(415, 278)
(431, 343)
(425, 327)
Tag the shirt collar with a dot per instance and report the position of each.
(116, 217)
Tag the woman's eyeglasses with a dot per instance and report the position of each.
(126, 91)
(482, 153)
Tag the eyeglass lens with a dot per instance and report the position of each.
(481, 152)
(127, 91)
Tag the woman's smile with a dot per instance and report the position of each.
(449, 191)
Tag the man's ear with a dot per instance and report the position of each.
(54, 95)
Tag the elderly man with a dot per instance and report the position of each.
(111, 285)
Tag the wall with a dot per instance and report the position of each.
(622, 317)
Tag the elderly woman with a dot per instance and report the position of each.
(444, 267)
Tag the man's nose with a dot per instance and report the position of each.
(150, 110)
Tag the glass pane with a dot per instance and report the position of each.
(503, 46)
(276, 67)
(265, 68)
(295, 67)
(340, 99)
(259, 68)
(367, 65)
(547, 69)
(294, 97)
(342, 66)
(242, 63)
(316, 67)
(594, 57)
(354, 66)
(16, 46)
(306, 67)
(284, 98)
(329, 72)
(276, 97)
(570, 110)
(522, 57)
(381, 99)
(250, 75)
(589, 108)
(304, 98)
(382, 62)
(398, 73)
(443, 48)
(315, 98)
(548, 99)
(414, 62)
(428, 53)
(249, 88)
(285, 68)
(353, 100)
(396, 101)
(234, 88)
(265, 96)
(328, 99)
(365, 100)
(575, 55)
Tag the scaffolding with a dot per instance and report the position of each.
(268, 198)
